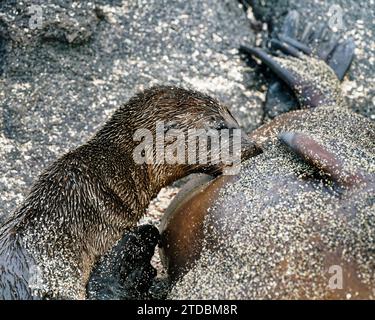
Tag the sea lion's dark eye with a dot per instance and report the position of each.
(170, 125)
(221, 125)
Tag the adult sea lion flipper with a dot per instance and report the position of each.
(318, 156)
(342, 57)
(337, 55)
(280, 98)
(302, 65)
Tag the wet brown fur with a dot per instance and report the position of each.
(85, 201)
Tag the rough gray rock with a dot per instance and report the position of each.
(27, 22)
(60, 81)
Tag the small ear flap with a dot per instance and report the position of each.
(316, 155)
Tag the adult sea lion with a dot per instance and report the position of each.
(298, 222)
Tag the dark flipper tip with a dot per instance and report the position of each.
(291, 24)
(296, 44)
(342, 58)
(284, 47)
(327, 48)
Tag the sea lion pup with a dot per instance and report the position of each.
(298, 222)
(85, 201)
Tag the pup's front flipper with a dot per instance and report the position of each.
(311, 68)
(125, 271)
